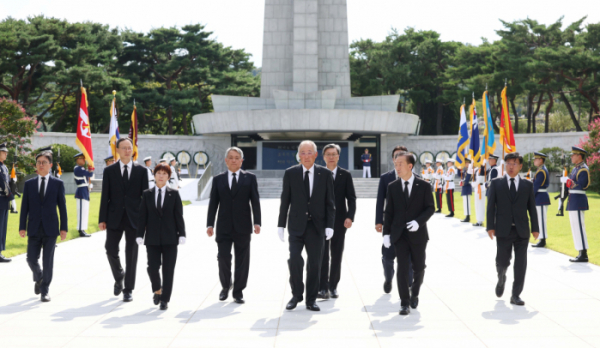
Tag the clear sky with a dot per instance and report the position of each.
(238, 23)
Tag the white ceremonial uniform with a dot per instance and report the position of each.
(150, 178)
(478, 185)
(174, 181)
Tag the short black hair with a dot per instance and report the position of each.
(514, 155)
(399, 148)
(122, 140)
(47, 154)
(409, 157)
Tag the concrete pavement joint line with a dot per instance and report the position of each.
(363, 302)
(280, 315)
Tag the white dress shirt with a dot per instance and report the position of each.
(311, 176)
(129, 167)
(47, 176)
(517, 178)
(162, 195)
(230, 176)
(410, 184)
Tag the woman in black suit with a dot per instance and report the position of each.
(161, 222)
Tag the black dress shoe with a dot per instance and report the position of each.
(404, 310)
(323, 294)
(478, 224)
(334, 293)
(501, 281)
(4, 259)
(239, 300)
(293, 303)
(84, 234)
(438, 211)
(387, 287)
(45, 298)
(540, 244)
(467, 219)
(224, 294)
(127, 296)
(313, 307)
(156, 299)
(119, 285)
(450, 215)
(164, 305)
(414, 302)
(37, 288)
(516, 300)
(582, 257)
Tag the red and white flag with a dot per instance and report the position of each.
(84, 134)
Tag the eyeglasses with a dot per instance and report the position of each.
(42, 163)
(306, 153)
(331, 155)
(512, 164)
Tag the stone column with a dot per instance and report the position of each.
(306, 43)
(277, 47)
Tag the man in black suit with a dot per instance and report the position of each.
(308, 198)
(409, 207)
(509, 200)
(42, 195)
(123, 184)
(344, 216)
(388, 255)
(232, 193)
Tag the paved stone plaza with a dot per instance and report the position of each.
(458, 306)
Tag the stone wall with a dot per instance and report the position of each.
(149, 145)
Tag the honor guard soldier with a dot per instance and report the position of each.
(109, 160)
(541, 181)
(479, 193)
(82, 194)
(492, 173)
(6, 196)
(366, 159)
(439, 183)
(467, 190)
(449, 186)
(428, 172)
(578, 182)
(174, 181)
(564, 190)
(148, 163)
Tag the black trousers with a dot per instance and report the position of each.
(241, 248)
(504, 249)
(3, 228)
(113, 238)
(165, 255)
(417, 256)
(314, 243)
(438, 198)
(388, 256)
(35, 244)
(450, 200)
(330, 275)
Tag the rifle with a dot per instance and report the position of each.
(564, 191)
(12, 184)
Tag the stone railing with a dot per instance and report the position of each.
(204, 179)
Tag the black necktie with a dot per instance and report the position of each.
(43, 188)
(125, 176)
(406, 195)
(233, 183)
(307, 184)
(159, 202)
(513, 189)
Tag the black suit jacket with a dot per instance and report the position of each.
(165, 228)
(116, 198)
(397, 213)
(234, 207)
(344, 191)
(502, 211)
(384, 181)
(35, 212)
(294, 201)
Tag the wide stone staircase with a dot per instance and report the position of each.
(271, 188)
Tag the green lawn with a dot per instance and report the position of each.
(16, 245)
(559, 228)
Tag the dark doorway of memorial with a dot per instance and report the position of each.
(372, 144)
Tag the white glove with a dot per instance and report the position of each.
(328, 233)
(280, 232)
(564, 179)
(484, 161)
(412, 226)
(480, 179)
(386, 241)
(139, 240)
(181, 240)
